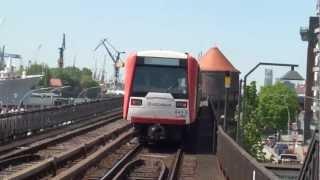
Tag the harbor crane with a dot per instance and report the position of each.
(114, 57)
(61, 51)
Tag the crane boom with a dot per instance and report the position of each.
(115, 58)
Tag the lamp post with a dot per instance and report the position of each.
(227, 84)
(288, 110)
(253, 69)
(239, 112)
(289, 118)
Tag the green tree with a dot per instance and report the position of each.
(277, 104)
(87, 82)
(86, 72)
(251, 126)
(86, 79)
(76, 78)
(72, 76)
(36, 69)
(270, 109)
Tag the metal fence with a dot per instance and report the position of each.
(236, 163)
(310, 168)
(22, 123)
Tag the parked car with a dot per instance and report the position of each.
(281, 148)
(288, 159)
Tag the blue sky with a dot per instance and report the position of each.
(246, 31)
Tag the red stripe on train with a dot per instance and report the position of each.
(150, 120)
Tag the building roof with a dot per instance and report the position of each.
(214, 60)
(55, 82)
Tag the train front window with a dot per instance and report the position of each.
(162, 79)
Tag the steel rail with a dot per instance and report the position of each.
(7, 149)
(124, 160)
(18, 159)
(164, 171)
(126, 169)
(52, 163)
(76, 170)
(139, 162)
(176, 165)
(79, 151)
(38, 145)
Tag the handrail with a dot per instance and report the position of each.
(313, 148)
(230, 152)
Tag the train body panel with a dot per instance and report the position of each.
(193, 88)
(161, 91)
(129, 72)
(158, 108)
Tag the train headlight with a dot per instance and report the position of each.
(181, 104)
(181, 113)
(136, 102)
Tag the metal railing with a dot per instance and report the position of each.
(19, 124)
(310, 168)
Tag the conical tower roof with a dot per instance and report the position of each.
(214, 60)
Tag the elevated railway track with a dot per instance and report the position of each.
(22, 125)
(21, 143)
(47, 157)
(127, 159)
(103, 146)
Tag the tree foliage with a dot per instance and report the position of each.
(43, 69)
(277, 104)
(72, 76)
(270, 109)
(250, 124)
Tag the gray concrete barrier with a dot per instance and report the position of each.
(236, 163)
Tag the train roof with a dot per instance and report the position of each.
(214, 60)
(163, 53)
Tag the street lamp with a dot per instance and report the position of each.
(245, 82)
(292, 75)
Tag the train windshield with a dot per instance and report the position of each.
(160, 78)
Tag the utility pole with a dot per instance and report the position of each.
(36, 54)
(95, 70)
(103, 69)
(74, 61)
(2, 63)
(61, 51)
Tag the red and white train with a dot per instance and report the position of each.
(161, 97)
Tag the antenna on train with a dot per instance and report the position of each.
(114, 57)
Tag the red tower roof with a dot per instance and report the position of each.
(214, 60)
